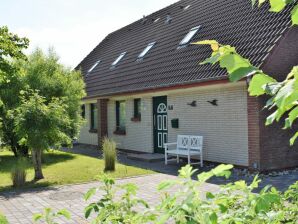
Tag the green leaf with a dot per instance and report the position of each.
(209, 195)
(293, 139)
(294, 15)
(206, 42)
(241, 73)
(212, 60)
(64, 213)
(277, 5)
(257, 83)
(37, 217)
(213, 218)
(270, 119)
(293, 115)
(233, 61)
(166, 185)
(90, 193)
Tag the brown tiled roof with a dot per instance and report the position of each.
(253, 31)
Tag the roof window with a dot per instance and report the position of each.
(189, 36)
(94, 66)
(169, 19)
(146, 50)
(118, 59)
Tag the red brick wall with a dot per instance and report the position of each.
(275, 151)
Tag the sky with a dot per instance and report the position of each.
(72, 27)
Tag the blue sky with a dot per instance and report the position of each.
(72, 27)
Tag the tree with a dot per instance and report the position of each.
(49, 113)
(283, 95)
(11, 49)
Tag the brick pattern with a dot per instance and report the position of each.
(139, 135)
(276, 152)
(20, 207)
(253, 118)
(224, 127)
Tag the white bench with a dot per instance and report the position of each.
(186, 145)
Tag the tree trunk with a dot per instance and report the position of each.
(36, 159)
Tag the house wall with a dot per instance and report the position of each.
(275, 150)
(224, 127)
(86, 137)
(139, 135)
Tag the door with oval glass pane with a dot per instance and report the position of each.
(160, 123)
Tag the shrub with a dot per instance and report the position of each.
(49, 217)
(18, 173)
(109, 154)
(3, 219)
(233, 203)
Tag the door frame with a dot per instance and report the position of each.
(163, 132)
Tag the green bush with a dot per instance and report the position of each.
(18, 173)
(3, 219)
(109, 154)
(233, 203)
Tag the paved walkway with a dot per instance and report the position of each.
(280, 182)
(19, 207)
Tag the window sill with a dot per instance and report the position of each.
(93, 131)
(119, 132)
(135, 119)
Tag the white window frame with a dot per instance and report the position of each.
(189, 36)
(94, 66)
(146, 50)
(118, 59)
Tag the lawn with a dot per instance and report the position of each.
(61, 168)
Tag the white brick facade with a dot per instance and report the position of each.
(85, 137)
(224, 127)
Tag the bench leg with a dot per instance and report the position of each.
(188, 158)
(201, 159)
(166, 158)
(178, 159)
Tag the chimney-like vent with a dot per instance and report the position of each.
(169, 18)
(144, 19)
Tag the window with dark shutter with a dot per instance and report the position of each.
(120, 117)
(137, 109)
(93, 117)
(83, 111)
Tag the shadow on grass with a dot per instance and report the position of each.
(8, 192)
(7, 162)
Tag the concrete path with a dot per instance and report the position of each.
(19, 207)
(280, 182)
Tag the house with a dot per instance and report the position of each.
(145, 85)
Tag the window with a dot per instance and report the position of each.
(145, 51)
(93, 117)
(94, 66)
(118, 59)
(137, 109)
(83, 111)
(120, 116)
(189, 36)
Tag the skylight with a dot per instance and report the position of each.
(189, 36)
(94, 66)
(118, 59)
(145, 51)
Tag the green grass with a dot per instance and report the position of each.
(61, 168)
